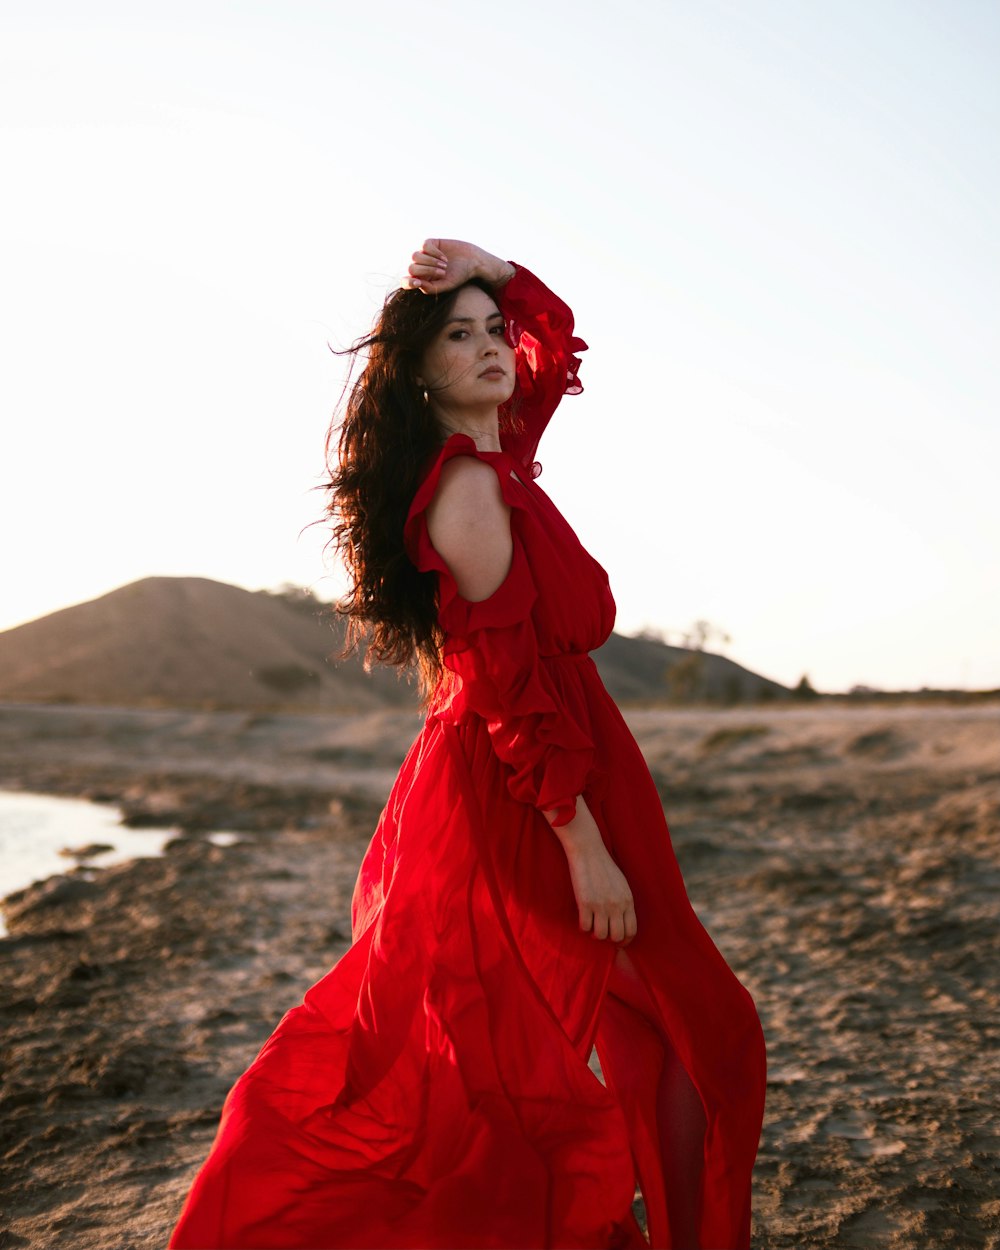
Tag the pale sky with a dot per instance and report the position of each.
(775, 222)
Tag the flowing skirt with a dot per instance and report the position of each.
(433, 1088)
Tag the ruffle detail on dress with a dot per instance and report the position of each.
(550, 755)
(540, 329)
(491, 647)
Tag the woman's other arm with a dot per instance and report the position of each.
(603, 896)
(469, 524)
(468, 521)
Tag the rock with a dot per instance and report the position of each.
(86, 852)
(53, 892)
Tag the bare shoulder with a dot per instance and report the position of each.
(468, 521)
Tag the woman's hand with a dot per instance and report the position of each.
(443, 264)
(603, 896)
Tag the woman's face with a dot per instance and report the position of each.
(468, 368)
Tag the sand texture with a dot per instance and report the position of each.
(844, 858)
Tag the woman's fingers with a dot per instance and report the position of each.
(429, 260)
(428, 269)
(594, 921)
(423, 278)
(618, 925)
(605, 904)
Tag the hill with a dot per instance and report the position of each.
(637, 670)
(190, 641)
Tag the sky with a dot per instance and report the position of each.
(775, 223)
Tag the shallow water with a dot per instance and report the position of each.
(35, 828)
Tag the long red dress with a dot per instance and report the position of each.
(433, 1088)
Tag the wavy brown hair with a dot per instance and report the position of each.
(377, 447)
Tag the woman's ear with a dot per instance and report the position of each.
(419, 382)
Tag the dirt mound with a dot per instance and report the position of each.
(190, 641)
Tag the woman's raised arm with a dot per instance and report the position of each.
(443, 264)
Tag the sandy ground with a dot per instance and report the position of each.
(844, 858)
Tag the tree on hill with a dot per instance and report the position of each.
(288, 679)
(686, 676)
(299, 597)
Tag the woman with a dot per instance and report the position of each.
(520, 901)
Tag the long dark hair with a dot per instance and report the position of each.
(375, 454)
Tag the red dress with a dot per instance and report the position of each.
(433, 1088)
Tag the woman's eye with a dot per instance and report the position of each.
(501, 330)
(457, 335)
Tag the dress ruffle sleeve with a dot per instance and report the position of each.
(540, 328)
(492, 649)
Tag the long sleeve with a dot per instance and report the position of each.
(540, 327)
(492, 649)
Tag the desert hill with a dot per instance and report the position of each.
(191, 641)
(637, 670)
(183, 641)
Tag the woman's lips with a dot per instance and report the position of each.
(492, 373)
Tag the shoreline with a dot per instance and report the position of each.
(131, 1002)
(46, 836)
(846, 868)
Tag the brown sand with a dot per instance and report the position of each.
(844, 858)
